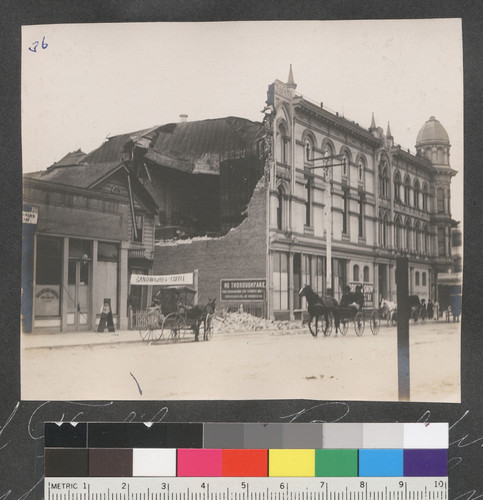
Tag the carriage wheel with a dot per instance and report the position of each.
(327, 326)
(375, 323)
(175, 326)
(314, 330)
(359, 324)
(415, 315)
(208, 327)
(343, 326)
(149, 328)
(389, 318)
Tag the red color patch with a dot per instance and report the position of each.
(248, 463)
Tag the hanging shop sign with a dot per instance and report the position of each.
(167, 279)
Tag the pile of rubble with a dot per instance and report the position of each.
(235, 322)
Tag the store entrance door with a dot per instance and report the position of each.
(383, 288)
(78, 296)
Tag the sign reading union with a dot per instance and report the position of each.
(30, 215)
(167, 279)
(243, 289)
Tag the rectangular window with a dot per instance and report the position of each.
(314, 273)
(345, 213)
(280, 281)
(107, 252)
(308, 203)
(441, 242)
(361, 217)
(48, 276)
(297, 280)
(137, 233)
(440, 200)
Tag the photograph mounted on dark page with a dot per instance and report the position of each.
(242, 210)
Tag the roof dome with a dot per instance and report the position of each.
(432, 132)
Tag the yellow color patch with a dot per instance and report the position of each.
(291, 463)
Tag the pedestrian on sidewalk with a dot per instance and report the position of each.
(106, 318)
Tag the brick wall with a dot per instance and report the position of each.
(239, 254)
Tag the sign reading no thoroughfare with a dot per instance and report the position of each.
(240, 290)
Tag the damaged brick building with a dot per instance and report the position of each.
(248, 206)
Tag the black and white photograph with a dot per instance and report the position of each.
(249, 210)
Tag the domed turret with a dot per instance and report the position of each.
(432, 132)
(433, 142)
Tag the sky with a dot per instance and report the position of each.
(84, 82)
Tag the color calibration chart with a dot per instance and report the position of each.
(234, 461)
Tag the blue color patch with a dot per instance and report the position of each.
(384, 463)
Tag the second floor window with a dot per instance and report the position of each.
(407, 191)
(308, 203)
(440, 200)
(137, 232)
(280, 207)
(361, 217)
(345, 213)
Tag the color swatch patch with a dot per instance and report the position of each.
(245, 450)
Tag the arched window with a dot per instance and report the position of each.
(366, 274)
(355, 276)
(407, 190)
(346, 161)
(384, 236)
(361, 166)
(280, 207)
(424, 279)
(327, 152)
(425, 197)
(417, 190)
(397, 186)
(309, 150)
(383, 180)
(284, 143)
(416, 278)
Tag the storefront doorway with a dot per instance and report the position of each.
(79, 287)
(78, 295)
(383, 282)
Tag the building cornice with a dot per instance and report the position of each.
(339, 122)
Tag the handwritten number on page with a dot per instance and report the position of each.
(43, 45)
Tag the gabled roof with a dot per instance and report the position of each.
(113, 148)
(81, 176)
(73, 158)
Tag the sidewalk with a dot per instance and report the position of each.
(74, 339)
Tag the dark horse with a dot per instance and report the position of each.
(319, 307)
(198, 315)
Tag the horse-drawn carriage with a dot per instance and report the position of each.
(417, 310)
(325, 313)
(173, 316)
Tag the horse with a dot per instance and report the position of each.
(318, 307)
(197, 315)
(387, 309)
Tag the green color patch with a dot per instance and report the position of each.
(336, 463)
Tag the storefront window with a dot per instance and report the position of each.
(48, 276)
(280, 281)
(107, 270)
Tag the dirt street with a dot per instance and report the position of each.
(259, 365)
